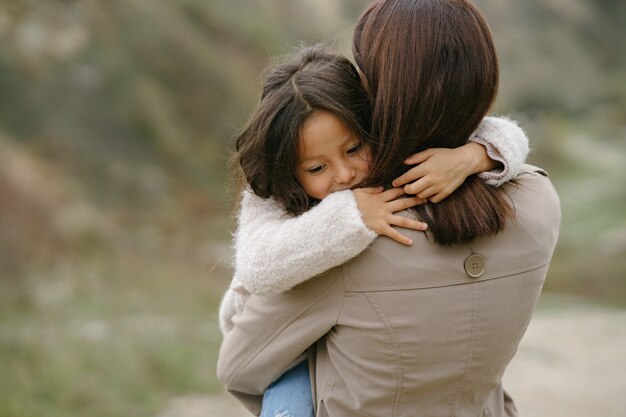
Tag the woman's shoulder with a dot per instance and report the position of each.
(528, 169)
(533, 181)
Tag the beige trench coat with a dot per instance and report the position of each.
(405, 331)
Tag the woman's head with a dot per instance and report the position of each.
(312, 96)
(432, 74)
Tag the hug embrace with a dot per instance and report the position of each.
(391, 241)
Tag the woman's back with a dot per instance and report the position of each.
(418, 336)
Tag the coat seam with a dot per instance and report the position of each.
(470, 353)
(331, 381)
(465, 281)
(396, 354)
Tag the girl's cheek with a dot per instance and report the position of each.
(323, 189)
(318, 187)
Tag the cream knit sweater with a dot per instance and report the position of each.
(275, 251)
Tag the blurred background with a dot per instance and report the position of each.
(115, 198)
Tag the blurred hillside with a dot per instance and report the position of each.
(115, 120)
(131, 104)
(562, 76)
(119, 112)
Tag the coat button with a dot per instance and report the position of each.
(475, 266)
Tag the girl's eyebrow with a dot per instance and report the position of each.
(345, 140)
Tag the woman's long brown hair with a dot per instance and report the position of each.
(432, 73)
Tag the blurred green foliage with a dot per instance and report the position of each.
(115, 120)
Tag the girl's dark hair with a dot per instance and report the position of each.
(267, 150)
(432, 74)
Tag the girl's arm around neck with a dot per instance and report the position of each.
(496, 152)
(506, 143)
(275, 251)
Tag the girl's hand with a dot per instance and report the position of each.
(377, 209)
(440, 171)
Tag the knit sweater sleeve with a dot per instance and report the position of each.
(506, 143)
(275, 251)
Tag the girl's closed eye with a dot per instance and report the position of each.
(318, 169)
(354, 148)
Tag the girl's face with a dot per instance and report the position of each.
(332, 158)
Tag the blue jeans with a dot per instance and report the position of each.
(289, 395)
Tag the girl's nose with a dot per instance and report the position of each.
(344, 174)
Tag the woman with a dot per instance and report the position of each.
(426, 330)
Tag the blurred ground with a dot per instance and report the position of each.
(571, 363)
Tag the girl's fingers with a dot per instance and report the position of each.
(407, 223)
(397, 236)
(418, 186)
(437, 198)
(428, 192)
(412, 174)
(392, 194)
(404, 203)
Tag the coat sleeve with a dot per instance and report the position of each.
(274, 330)
(232, 304)
(506, 143)
(275, 251)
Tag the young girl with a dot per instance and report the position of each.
(303, 154)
